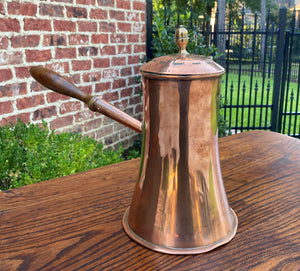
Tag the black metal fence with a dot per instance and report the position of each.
(261, 83)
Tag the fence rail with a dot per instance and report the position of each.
(261, 83)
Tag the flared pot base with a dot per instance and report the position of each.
(180, 251)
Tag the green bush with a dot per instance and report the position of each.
(30, 154)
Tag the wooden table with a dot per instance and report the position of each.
(74, 223)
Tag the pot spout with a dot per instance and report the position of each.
(56, 82)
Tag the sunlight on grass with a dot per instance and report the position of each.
(249, 102)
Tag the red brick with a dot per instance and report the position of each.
(136, 69)
(37, 24)
(62, 25)
(5, 75)
(75, 79)
(118, 61)
(43, 113)
(61, 122)
(10, 90)
(111, 96)
(53, 97)
(76, 12)
(106, 3)
(37, 87)
(138, 109)
(124, 27)
(70, 106)
(65, 53)
(22, 72)
(3, 42)
(108, 50)
(124, 49)
(133, 59)
(83, 51)
(93, 51)
(91, 76)
(98, 14)
(100, 87)
(2, 8)
(11, 58)
(63, 1)
(117, 15)
(24, 117)
(135, 100)
(87, 89)
(100, 38)
(25, 41)
(122, 104)
(51, 10)
(85, 2)
(107, 27)
(139, 5)
(59, 67)
(28, 102)
(87, 26)
(123, 4)
(133, 16)
(101, 63)
(110, 73)
(139, 49)
(81, 65)
(126, 92)
(126, 71)
(143, 37)
(117, 38)
(38, 55)
(131, 81)
(119, 83)
(133, 38)
(138, 27)
(54, 40)
(6, 107)
(93, 124)
(25, 8)
(9, 25)
(105, 131)
(77, 39)
(84, 115)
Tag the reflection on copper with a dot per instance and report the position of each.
(179, 205)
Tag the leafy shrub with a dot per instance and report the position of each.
(163, 37)
(30, 154)
(134, 151)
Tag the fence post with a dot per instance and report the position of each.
(149, 29)
(275, 125)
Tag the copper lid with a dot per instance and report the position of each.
(182, 64)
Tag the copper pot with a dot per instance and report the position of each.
(179, 204)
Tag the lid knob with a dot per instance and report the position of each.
(181, 39)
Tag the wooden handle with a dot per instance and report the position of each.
(56, 82)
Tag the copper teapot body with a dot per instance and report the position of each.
(179, 205)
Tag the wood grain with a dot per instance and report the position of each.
(74, 223)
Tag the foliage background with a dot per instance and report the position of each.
(30, 154)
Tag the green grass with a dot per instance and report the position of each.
(259, 92)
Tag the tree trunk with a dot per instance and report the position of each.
(221, 42)
(263, 28)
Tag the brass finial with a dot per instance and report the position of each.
(181, 39)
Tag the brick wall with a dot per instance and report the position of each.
(98, 44)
